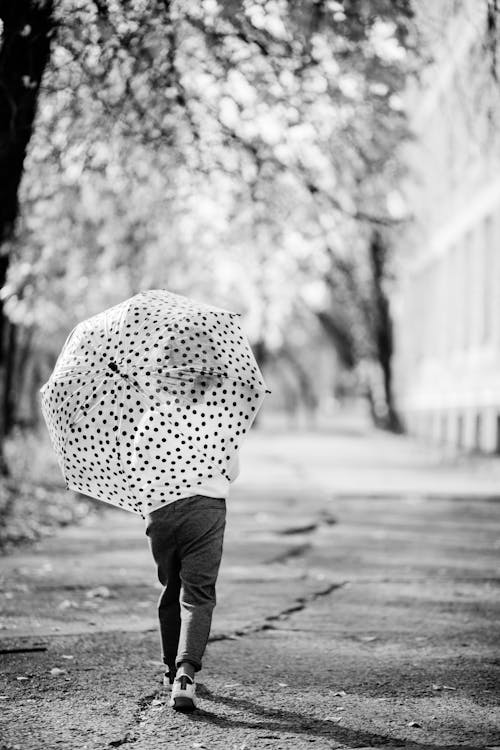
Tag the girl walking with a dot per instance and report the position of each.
(146, 408)
(186, 539)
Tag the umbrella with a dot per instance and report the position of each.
(150, 397)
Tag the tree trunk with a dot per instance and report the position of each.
(302, 374)
(341, 338)
(24, 54)
(11, 377)
(261, 353)
(382, 326)
(25, 390)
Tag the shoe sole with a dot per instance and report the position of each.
(185, 705)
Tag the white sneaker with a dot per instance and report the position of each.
(166, 681)
(183, 694)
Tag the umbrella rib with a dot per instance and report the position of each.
(94, 405)
(202, 371)
(71, 395)
(123, 316)
(73, 370)
(138, 331)
(119, 414)
(106, 327)
(87, 343)
(228, 376)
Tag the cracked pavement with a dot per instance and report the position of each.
(358, 606)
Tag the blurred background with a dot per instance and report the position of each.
(330, 170)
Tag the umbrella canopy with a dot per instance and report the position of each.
(149, 398)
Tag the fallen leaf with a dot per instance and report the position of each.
(335, 719)
(21, 587)
(68, 604)
(340, 694)
(413, 724)
(100, 591)
(55, 671)
(269, 736)
(21, 678)
(442, 687)
(67, 656)
(283, 684)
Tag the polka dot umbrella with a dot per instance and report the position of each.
(150, 398)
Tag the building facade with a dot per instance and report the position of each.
(447, 308)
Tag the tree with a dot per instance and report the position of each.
(27, 28)
(206, 146)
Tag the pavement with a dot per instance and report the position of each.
(358, 606)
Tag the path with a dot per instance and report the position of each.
(358, 607)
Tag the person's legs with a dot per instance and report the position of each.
(160, 530)
(200, 534)
(169, 613)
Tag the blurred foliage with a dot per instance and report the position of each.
(34, 499)
(238, 152)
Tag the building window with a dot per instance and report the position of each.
(444, 428)
(460, 431)
(465, 318)
(487, 280)
(477, 432)
(455, 301)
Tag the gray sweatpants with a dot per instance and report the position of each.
(186, 540)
